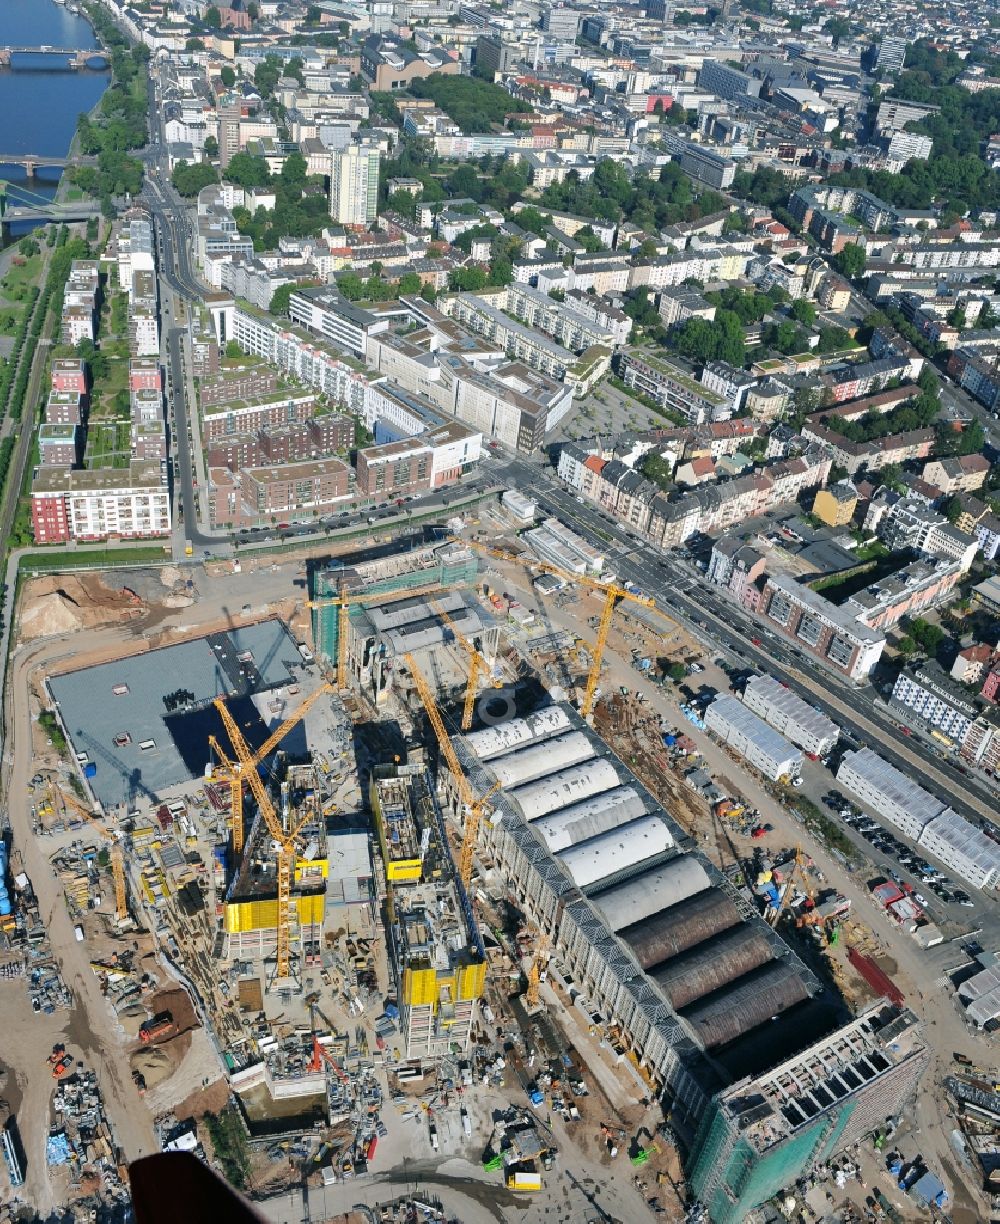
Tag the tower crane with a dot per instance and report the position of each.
(342, 603)
(613, 595)
(538, 963)
(472, 807)
(477, 662)
(116, 851)
(285, 840)
(234, 770)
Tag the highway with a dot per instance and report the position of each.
(681, 592)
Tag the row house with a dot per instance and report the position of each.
(872, 456)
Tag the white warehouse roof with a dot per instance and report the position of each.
(569, 786)
(981, 995)
(576, 824)
(735, 723)
(653, 891)
(506, 736)
(610, 852)
(539, 760)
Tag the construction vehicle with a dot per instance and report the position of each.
(61, 1066)
(160, 1025)
(285, 840)
(116, 850)
(472, 807)
(234, 772)
(613, 595)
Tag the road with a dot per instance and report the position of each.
(679, 591)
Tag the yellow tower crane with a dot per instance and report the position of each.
(286, 843)
(234, 771)
(538, 963)
(472, 808)
(116, 851)
(477, 662)
(613, 595)
(342, 603)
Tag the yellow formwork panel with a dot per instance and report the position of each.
(420, 987)
(242, 916)
(470, 981)
(403, 869)
(311, 867)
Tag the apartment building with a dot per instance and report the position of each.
(69, 374)
(294, 488)
(354, 184)
(561, 320)
(100, 503)
(671, 387)
(338, 321)
(245, 380)
(871, 456)
(144, 374)
(830, 633)
(921, 584)
(959, 474)
(929, 692)
(64, 408)
(259, 412)
(414, 465)
(535, 350)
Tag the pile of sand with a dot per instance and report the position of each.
(48, 615)
(62, 603)
(171, 576)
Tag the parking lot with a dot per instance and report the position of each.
(904, 865)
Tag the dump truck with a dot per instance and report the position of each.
(523, 1181)
(160, 1025)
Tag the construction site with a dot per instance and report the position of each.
(392, 871)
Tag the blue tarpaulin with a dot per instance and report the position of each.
(57, 1149)
(929, 1189)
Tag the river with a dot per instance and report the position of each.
(40, 97)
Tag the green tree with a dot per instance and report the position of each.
(194, 44)
(409, 284)
(188, 180)
(837, 28)
(280, 299)
(28, 247)
(211, 147)
(227, 76)
(212, 18)
(952, 510)
(233, 350)
(850, 262)
(906, 646)
(247, 170)
(803, 312)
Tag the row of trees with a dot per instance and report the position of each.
(120, 123)
(649, 203)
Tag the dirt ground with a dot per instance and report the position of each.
(63, 603)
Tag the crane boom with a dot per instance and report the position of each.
(443, 739)
(476, 663)
(613, 594)
(285, 850)
(471, 835)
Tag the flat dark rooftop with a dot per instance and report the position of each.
(163, 699)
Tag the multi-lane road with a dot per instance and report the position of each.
(711, 617)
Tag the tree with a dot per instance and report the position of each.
(850, 262)
(28, 247)
(906, 646)
(676, 672)
(194, 44)
(280, 299)
(409, 283)
(314, 15)
(212, 18)
(211, 147)
(247, 170)
(952, 509)
(227, 76)
(837, 28)
(188, 180)
(803, 312)
(233, 350)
